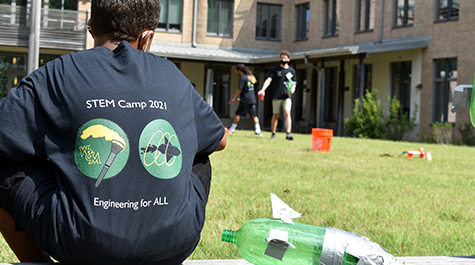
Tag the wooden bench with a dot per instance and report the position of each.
(436, 260)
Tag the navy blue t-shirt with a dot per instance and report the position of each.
(280, 76)
(248, 95)
(118, 132)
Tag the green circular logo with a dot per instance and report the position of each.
(160, 150)
(101, 150)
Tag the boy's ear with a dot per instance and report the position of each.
(88, 27)
(146, 40)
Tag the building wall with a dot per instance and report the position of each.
(451, 39)
(195, 72)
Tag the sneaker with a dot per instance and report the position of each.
(228, 131)
(272, 137)
(289, 137)
(258, 134)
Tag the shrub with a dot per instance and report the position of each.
(368, 120)
(468, 136)
(442, 132)
(398, 124)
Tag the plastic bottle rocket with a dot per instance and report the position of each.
(289, 83)
(274, 241)
(420, 152)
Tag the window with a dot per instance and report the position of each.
(12, 70)
(303, 17)
(268, 23)
(221, 88)
(301, 95)
(331, 78)
(365, 15)
(170, 15)
(46, 58)
(3, 83)
(368, 79)
(220, 17)
(445, 82)
(401, 84)
(331, 18)
(404, 13)
(63, 4)
(448, 10)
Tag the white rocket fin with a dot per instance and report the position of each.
(282, 211)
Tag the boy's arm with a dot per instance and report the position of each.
(238, 92)
(265, 85)
(223, 143)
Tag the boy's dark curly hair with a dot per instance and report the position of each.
(123, 19)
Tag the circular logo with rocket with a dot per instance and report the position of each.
(101, 150)
(160, 150)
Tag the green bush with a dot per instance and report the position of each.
(396, 124)
(468, 136)
(368, 120)
(442, 132)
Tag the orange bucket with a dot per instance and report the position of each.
(321, 139)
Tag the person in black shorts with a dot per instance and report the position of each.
(247, 101)
(104, 153)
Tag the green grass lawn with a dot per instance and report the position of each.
(412, 207)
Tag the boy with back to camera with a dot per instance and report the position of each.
(104, 152)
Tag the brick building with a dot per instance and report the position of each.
(417, 51)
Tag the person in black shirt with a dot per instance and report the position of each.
(104, 152)
(283, 80)
(247, 100)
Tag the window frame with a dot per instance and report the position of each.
(405, 18)
(369, 10)
(268, 28)
(230, 23)
(450, 5)
(302, 23)
(445, 80)
(300, 97)
(221, 88)
(404, 84)
(12, 71)
(368, 80)
(167, 27)
(331, 94)
(332, 30)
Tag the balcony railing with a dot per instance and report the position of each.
(59, 29)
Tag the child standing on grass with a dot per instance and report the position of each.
(247, 101)
(282, 80)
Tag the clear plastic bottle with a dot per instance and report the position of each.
(313, 245)
(252, 244)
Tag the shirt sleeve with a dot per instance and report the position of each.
(271, 73)
(295, 75)
(20, 121)
(209, 128)
(242, 82)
